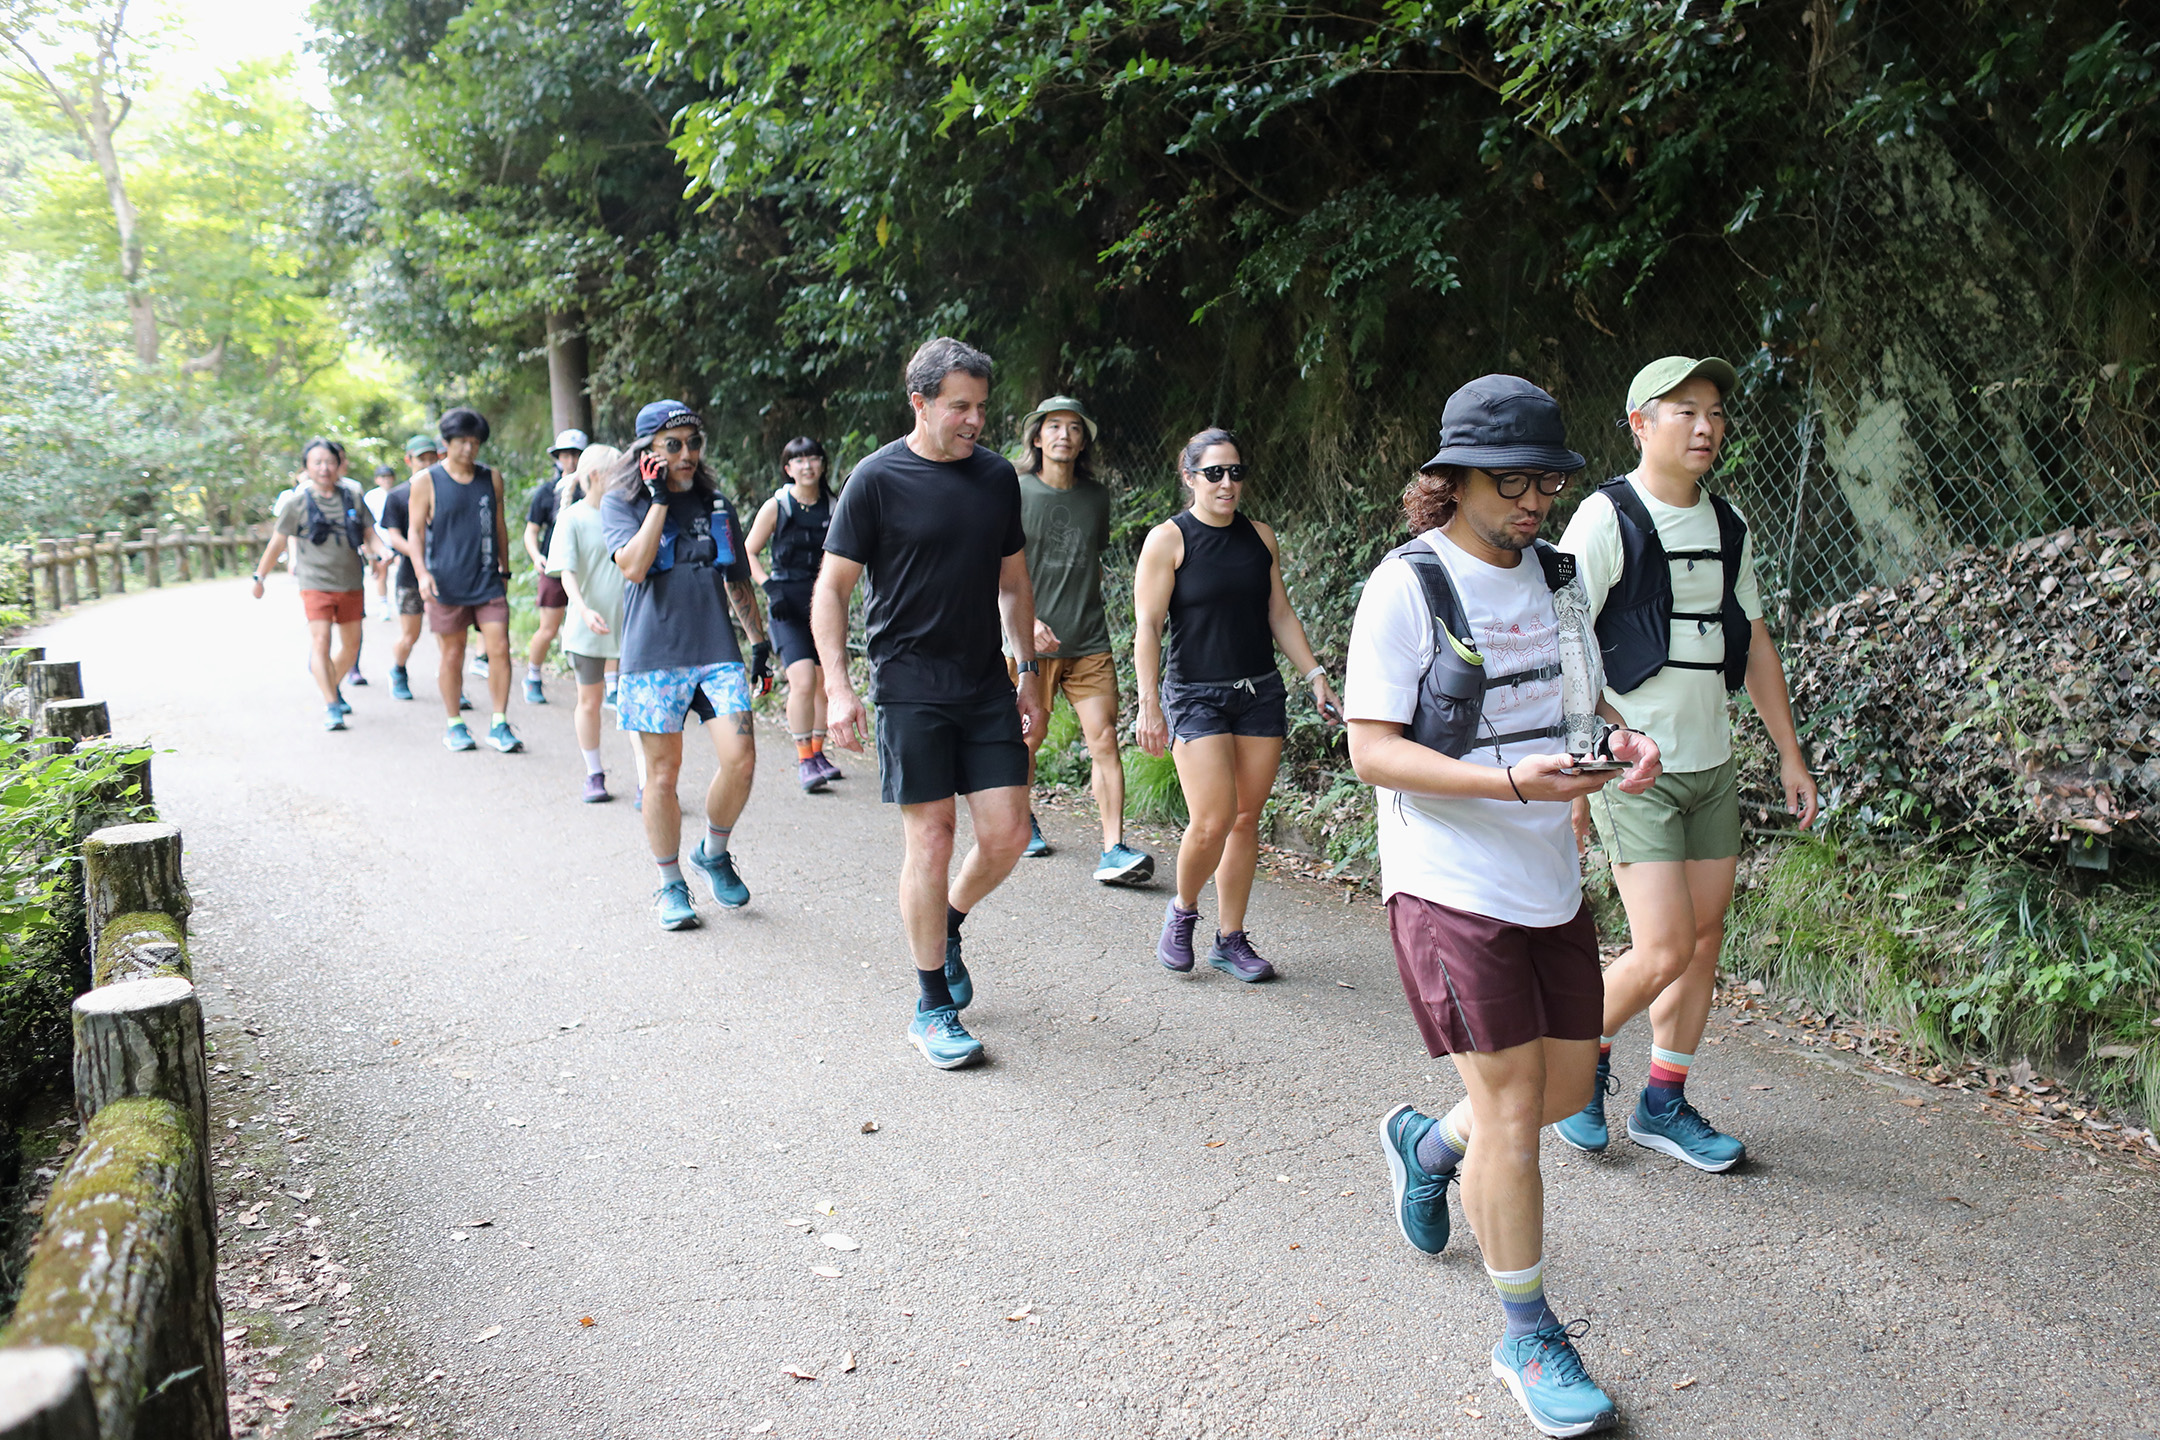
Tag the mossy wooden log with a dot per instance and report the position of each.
(74, 721)
(51, 680)
(141, 945)
(45, 1394)
(125, 1270)
(141, 1037)
(131, 869)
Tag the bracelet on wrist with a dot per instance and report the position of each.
(1315, 673)
(1513, 786)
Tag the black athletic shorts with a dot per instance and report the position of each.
(932, 752)
(787, 617)
(1258, 708)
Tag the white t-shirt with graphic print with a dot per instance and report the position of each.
(1498, 858)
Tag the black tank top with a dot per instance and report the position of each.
(461, 539)
(798, 538)
(1219, 603)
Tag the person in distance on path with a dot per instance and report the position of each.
(1065, 513)
(552, 602)
(326, 521)
(421, 451)
(1670, 572)
(1468, 644)
(793, 522)
(578, 560)
(680, 548)
(934, 519)
(462, 563)
(386, 479)
(344, 473)
(1220, 705)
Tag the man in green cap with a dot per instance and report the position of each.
(1065, 513)
(1670, 573)
(421, 451)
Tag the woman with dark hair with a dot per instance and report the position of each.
(332, 533)
(794, 523)
(679, 546)
(1216, 578)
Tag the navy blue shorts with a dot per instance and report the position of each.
(1258, 708)
(934, 751)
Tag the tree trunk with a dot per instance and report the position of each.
(98, 127)
(566, 357)
(130, 870)
(45, 1394)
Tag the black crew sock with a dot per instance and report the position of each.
(953, 920)
(934, 990)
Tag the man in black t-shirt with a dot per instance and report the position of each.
(935, 521)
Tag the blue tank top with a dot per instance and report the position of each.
(798, 538)
(461, 539)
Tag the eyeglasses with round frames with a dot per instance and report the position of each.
(1512, 483)
(696, 445)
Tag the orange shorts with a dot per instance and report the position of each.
(1078, 677)
(339, 607)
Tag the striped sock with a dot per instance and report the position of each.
(817, 742)
(1442, 1148)
(715, 840)
(1604, 1048)
(803, 748)
(1668, 1079)
(670, 870)
(1522, 1296)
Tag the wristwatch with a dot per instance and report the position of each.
(1027, 667)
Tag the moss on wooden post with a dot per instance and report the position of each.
(124, 1270)
(132, 869)
(140, 945)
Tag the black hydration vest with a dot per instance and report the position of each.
(1451, 695)
(798, 538)
(320, 526)
(1634, 629)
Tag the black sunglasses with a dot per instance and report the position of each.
(1512, 483)
(696, 444)
(1235, 474)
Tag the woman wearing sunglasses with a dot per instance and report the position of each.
(1220, 707)
(680, 548)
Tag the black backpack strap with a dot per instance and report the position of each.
(1440, 598)
(1558, 565)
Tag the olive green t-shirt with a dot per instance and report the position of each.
(1067, 532)
(333, 565)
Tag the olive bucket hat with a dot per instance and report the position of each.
(1050, 407)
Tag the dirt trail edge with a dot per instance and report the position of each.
(536, 1168)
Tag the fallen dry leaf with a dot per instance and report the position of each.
(1216, 1144)
(1473, 1414)
(761, 1427)
(1022, 1313)
(840, 1242)
(315, 1365)
(799, 1220)
(1911, 1101)
(585, 1320)
(1683, 1384)
(488, 1334)
(825, 1271)
(848, 1362)
(799, 1374)
(869, 1127)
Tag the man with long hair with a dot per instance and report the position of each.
(1065, 514)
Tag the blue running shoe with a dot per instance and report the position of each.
(943, 1040)
(671, 904)
(535, 693)
(333, 717)
(956, 975)
(1682, 1133)
(503, 738)
(400, 683)
(1420, 1199)
(719, 872)
(464, 702)
(1123, 865)
(338, 704)
(1037, 847)
(607, 697)
(1586, 1129)
(1546, 1377)
(457, 737)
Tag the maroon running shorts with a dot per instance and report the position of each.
(550, 593)
(1476, 983)
(456, 619)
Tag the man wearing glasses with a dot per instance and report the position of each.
(1469, 646)
(1670, 574)
(679, 545)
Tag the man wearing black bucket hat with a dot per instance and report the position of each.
(1471, 699)
(1670, 572)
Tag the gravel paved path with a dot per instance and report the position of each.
(1175, 1184)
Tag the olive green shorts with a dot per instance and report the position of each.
(1688, 815)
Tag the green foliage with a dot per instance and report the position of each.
(1063, 759)
(1981, 955)
(1152, 791)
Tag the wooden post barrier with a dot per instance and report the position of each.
(125, 1271)
(118, 548)
(232, 550)
(179, 544)
(141, 1038)
(30, 569)
(49, 557)
(15, 664)
(86, 557)
(130, 872)
(45, 1394)
(74, 721)
(150, 556)
(50, 680)
(206, 541)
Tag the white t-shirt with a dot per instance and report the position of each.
(1683, 710)
(1498, 858)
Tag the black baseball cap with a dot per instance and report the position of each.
(1503, 422)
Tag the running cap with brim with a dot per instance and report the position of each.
(1503, 422)
(665, 415)
(422, 444)
(1050, 407)
(385, 472)
(1662, 377)
(569, 440)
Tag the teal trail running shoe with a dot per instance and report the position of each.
(1585, 1129)
(1547, 1379)
(1037, 847)
(671, 904)
(1123, 865)
(457, 737)
(333, 717)
(1421, 1211)
(400, 683)
(339, 703)
(957, 979)
(503, 738)
(535, 693)
(719, 872)
(1682, 1133)
(943, 1040)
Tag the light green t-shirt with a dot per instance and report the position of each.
(581, 549)
(1683, 710)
